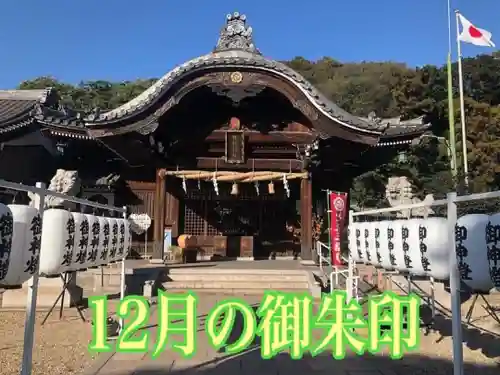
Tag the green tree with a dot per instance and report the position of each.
(389, 89)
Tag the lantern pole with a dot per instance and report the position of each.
(29, 323)
(455, 286)
(122, 274)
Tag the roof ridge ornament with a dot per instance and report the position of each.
(372, 117)
(236, 35)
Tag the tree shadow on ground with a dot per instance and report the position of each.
(238, 330)
(474, 338)
(250, 362)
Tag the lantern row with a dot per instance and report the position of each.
(420, 247)
(64, 242)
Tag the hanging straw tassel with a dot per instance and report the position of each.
(184, 185)
(286, 186)
(215, 184)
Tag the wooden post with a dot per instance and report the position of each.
(306, 220)
(159, 215)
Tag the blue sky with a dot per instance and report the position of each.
(124, 40)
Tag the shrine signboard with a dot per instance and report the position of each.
(235, 147)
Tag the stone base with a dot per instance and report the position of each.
(104, 278)
(48, 291)
(209, 258)
(308, 262)
(156, 261)
(245, 259)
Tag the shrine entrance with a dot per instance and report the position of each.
(242, 220)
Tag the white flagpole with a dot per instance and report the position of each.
(462, 104)
(456, 311)
(449, 26)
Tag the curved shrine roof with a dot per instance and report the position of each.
(235, 49)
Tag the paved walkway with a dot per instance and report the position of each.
(208, 361)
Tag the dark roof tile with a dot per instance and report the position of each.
(22, 108)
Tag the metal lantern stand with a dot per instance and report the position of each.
(40, 193)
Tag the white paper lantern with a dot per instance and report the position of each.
(364, 245)
(396, 251)
(435, 247)
(113, 238)
(93, 244)
(360, 242)
(26, 240)
(58, 239)
(81, 241)
(122, 235)
(353, 248)
(6, 234)
(371, 246)
(102, 253)
(128, 238)
(383, 253)
(411, 245)
(493, 249)
(471, 250)
(405, 237)
(359, 248)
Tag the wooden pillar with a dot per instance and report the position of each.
(159, 215)
(306, 220)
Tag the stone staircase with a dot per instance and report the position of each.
(238, 281)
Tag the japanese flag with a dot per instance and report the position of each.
(474, 35)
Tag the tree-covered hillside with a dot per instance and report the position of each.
(387, 88)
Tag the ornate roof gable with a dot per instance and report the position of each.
(236, 35)
(235, 49)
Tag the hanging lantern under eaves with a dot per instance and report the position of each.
(270, 187)
(235, 189)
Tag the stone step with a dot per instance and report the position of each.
(232, 271)
(236, 285)
(227, 291)
(236, 277)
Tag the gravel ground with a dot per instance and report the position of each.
(60, 345)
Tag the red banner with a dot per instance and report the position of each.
(338, 203)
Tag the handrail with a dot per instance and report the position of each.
(334, 275)
(319, 246)
(433, 203)
(355, 283)
(41, 191)
(327, 260)
(477, 196)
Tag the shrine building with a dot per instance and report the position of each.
(230, 147)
